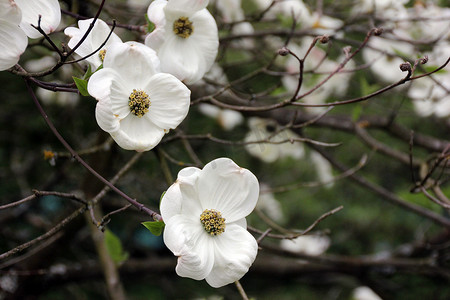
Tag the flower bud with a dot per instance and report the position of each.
(283, 51)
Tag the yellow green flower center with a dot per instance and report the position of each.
(139, 102)
(102, 54)
(212, 221)
(183, 27)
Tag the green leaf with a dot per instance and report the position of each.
(430, 68)
(114, 247)
(366, 88)
(150, 24)
(155, 227)
(356, 112)
(88, 73)
(81, 85)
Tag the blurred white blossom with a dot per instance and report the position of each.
(321, 66)
(269, 205)
(307, 244)
(364, 293)
(279, 144)
(227, 118)
(383, 56)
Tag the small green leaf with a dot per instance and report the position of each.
(150, 24)
(366, 88)
(155, 227)
(114, 247)
(430, 68)
(88, 73)
(356, 112)
(81, 85)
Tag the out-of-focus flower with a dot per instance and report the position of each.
(279, 143)
(383, 8)
(204, 212)
(50, 13)
(227, 118)
(230, 10)
(322, 24)
(364, 293)
(269, 205)
(137, 104)
(138, 3)
(185, 37)
(432, 96)
(317, 66)
(383, 56)
(97, 36)
(59, 98)
(323, 169)
(307, 244)
(288, 8)
(13, 40)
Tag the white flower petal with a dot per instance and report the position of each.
(13, 43)
(189, 241)
(135, 63)
(100, 87)
(49, 10)
(156, 38)
(186, 7)
(106, 84)
(170, 100)
(99, 84)
(105, 117)
(181, 197)
(235, 251)
(97, 36)
(228, 188)
(138, 134)
(10, 12)
(155, 12)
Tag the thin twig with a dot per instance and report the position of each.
(241, 290)
(135, 203)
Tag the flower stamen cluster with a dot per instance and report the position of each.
(183, 27)
(139, 102)
(102, 54)
(212, 221)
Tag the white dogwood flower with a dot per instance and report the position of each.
(364, 293)
(382, 55)
(185, 37)
(204, 212)
(97, 36)
(279, 145)
(307, 244)
(137, 104)
(227, 118)
(13, 40)
(50, 13)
